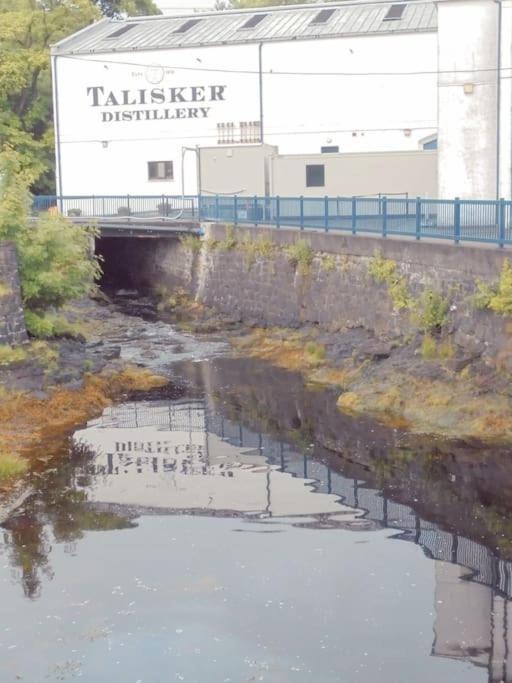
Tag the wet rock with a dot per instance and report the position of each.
(374, 350)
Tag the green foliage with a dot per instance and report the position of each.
(10, 354)
(5, 290)
(261, 248)
(501, 302)
(229, 242)
(386, 271)
(11, 466)
(329, 263)
(428, 348)
(56, 264)
(300, 254)
(431, 311)
(47, 325)
(191, 242)
(27, 29)
(495, 297)
(315, 352)
(483, 294)
(55, 257)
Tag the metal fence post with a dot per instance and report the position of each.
(301, 204)
(217, 207)
(255, 210)
(235, 209)
(501, 240)
(418, 218)
(128, 203)
(278, 212)
(456, 220)
(384, 216)
(326, 213)
(354, 215)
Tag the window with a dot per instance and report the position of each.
(395, 12)
(330, 149)
(235, 134)
(187, 26)
(254, 21)
(160, 170)
(120, 31)
(323, 16)
(315, 175)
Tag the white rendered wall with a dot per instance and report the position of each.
(363, 113)
(301, 113)
(467, 98)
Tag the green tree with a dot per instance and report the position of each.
(27, 29)
(55, 257)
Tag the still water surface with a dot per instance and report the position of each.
(201, 534)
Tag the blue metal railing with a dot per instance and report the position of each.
(459, 220)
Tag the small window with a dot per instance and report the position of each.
(160, 170)
(187, 26)
(315, 175)
(120, 31)
(254, 21)
(323, 16)
(330, 149)
(430, 144)
(395, 12)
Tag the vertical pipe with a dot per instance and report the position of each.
(58, 175)
(326, 214)
(498, 99)
(301, 200)
(260, 74)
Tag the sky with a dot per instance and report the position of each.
(183, 6)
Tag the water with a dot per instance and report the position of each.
(204, 533)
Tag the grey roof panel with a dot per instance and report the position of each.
(218, 28)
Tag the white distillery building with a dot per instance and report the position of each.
(340, 98)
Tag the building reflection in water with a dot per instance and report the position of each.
(174, 456)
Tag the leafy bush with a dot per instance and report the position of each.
(75, 212)
(55, 257)
(386, 271)
(495, 297)
(56, 264)
(431, 312)
(300, 254)
(11, 466)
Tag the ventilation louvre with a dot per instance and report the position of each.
(187, 26)
(395, 12)
(323, 16)
(120, 31)
(254, 21)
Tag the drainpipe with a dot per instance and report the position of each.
(260, 73)
(498, 99)
(58, 174)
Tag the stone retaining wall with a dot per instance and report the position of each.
(337, 291)
(12, 322)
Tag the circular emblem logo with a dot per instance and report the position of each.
(154, 74)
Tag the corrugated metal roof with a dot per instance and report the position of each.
(219, 28)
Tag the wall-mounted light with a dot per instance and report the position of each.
(104, 143)
(469, 88)
(407, 132)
